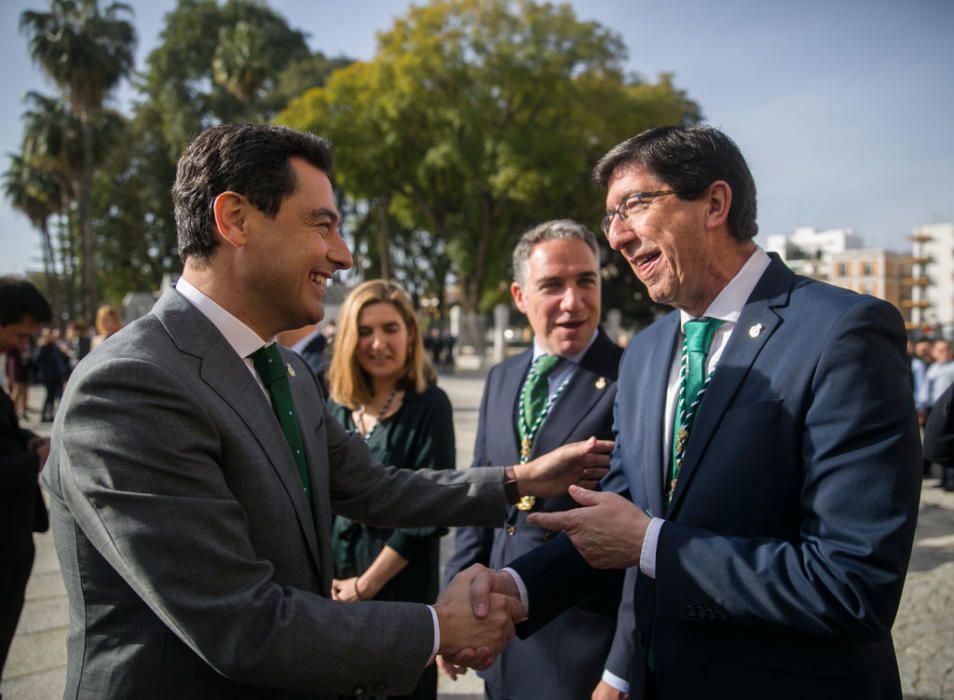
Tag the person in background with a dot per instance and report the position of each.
(108, 321)
(311, 343)
(556, 285)
(22, 455)
(938, 376)
(19, 361)
(53, 367)
(78, 340)
(383, 387)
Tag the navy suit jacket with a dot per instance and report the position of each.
(564, 660)
(780, 565)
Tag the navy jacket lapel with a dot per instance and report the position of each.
(653, 381)
(757, 323)
(504, 410)
(583, 391)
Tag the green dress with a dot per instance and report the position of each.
(419, 436)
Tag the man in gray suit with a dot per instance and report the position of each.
(192, 489)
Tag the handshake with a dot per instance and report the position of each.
(476, 614)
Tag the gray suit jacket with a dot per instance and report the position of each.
(194, 566)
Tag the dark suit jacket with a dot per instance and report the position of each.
(565, 659)
(194, 566)
(22, 511)
(780, 565)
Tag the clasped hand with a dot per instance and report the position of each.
(477, 613)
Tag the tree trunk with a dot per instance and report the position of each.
(86, 221)
(385, 237)
(49, 266)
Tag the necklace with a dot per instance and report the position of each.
(381, 415)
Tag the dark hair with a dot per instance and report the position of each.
(250, 159)
(19, 298)
(689, 158)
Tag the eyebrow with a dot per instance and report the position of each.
(316, 214)
(557, 278)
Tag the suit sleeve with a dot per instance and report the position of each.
(142, 475)
(843, 572)
(472, 545)
(435, 449)
(619, 659)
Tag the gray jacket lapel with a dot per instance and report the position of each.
(225, 372)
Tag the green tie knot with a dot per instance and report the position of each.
(268, 363)
(699, 332)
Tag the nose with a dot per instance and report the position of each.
(338, 253)
(620, 232)
(570, 299)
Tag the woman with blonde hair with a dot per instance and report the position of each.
(382, 386)
(108, 321)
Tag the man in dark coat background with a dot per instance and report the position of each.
(22, 455)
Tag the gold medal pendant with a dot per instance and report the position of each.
(526, 503)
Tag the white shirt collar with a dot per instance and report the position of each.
(243, 339)
(729, 302)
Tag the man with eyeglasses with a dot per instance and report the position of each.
(767, 433)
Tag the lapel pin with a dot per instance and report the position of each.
(600, 383)
(291, 372)
(756, 330)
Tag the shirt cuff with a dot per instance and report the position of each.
(437, 635)
(612, 679)
(521, 589)
(647, 558)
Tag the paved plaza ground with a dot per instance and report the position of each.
(923, 632)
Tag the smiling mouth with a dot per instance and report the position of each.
(645, 261)
(320, 278)
(571, 325)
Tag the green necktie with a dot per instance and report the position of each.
(534, 397)
(692, 385)
(271, 369)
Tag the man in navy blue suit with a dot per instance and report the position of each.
(767, 433)
(556, 286)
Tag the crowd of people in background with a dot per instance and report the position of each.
(50, 357)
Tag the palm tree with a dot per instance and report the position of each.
(86, 52)
(34, 191)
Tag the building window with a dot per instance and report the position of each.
(867, 269)
(842, 270)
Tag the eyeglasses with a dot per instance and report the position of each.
(632, 201)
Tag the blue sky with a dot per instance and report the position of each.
(843, 108)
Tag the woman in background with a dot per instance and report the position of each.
(108, 321)
(382, 387)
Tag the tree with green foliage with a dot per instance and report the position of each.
(477, 119)
(86, 52)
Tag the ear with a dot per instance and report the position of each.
(719, 202)
(230, 222)
(518, 299)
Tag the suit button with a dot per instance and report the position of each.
(358, 690)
